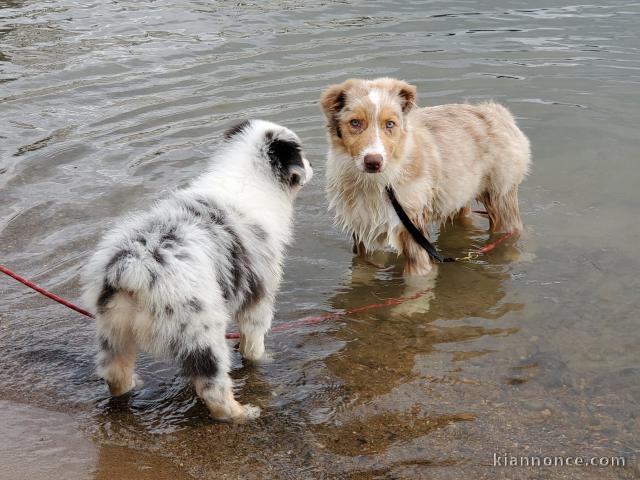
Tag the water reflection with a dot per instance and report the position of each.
(382, 348)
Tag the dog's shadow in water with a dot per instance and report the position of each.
(381, 344)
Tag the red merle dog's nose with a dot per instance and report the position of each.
(373, 162)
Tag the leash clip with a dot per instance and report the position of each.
(469, 257)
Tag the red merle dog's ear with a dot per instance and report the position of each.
(407, 94)
(332, 102)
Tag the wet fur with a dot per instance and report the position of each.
(437, 159)
(169, 280)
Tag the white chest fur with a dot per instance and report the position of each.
(360, 204)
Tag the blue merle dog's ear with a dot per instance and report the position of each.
(285, 158)
(236, 129)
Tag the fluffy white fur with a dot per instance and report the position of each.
(169, 280)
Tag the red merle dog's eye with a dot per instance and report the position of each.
(390, 124)
(355, 123)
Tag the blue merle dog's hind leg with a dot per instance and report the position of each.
(207, 361)
(217, 394)
(255, 322)
(117, 349)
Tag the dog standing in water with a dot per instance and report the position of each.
(437, 160)
(168, 281)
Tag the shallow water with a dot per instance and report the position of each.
(532, 350)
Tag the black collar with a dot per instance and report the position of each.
(415, 233)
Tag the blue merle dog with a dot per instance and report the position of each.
(167, 281)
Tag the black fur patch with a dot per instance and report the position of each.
(236, 129)
(153, 278)
(195, 305)
(169, 238)
(104, 344)
(122, 254)
(105, 296)
(168, 310)
(204, 208)
(141, 240)
(338, 105)
(200, 363)
(216, 216)
(256, 291)
(191, 209)
(284, 154)
(158, 257)
(242, 282)
(239, 259)
(225, 286)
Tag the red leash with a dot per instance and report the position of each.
(389, 302)
(41, 290)
(278, 328)
(492, 246)
(314, 320)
